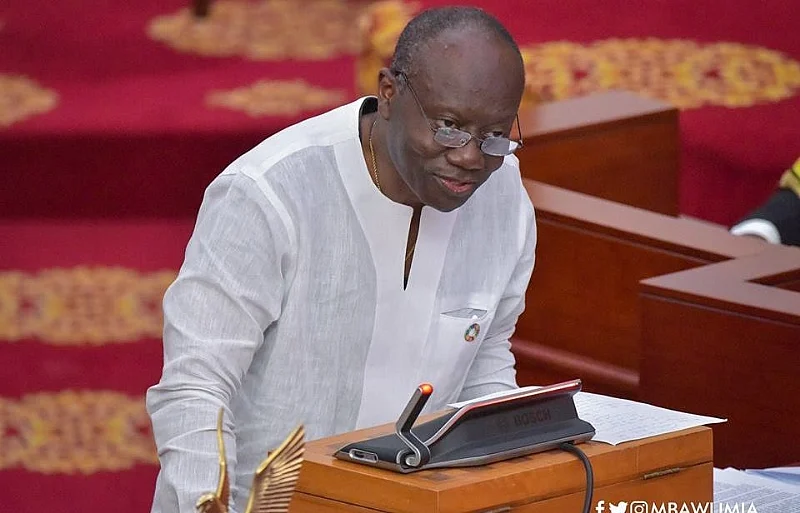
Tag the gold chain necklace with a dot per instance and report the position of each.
(378, 181)
(372, 154)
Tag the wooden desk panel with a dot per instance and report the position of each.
(615, 145)
(582, 312)
(724, 340)
(690, 485)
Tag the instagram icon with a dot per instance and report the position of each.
(638, 507)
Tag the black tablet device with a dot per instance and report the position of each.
(493, 429)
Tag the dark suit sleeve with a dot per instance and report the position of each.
(782, 209)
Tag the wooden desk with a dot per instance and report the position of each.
(724, 340)
(615, 145)
(582, 311)
(551, 482)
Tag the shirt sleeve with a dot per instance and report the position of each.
(760, 228)
(493, 368)
(776, 221)
(227, 293)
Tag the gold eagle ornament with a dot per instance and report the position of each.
(273, 483)
(217, 502)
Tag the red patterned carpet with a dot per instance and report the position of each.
(114, 117)
(80, 329)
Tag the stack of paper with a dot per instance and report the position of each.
(750, 492)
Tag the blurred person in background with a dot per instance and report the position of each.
(777, 220)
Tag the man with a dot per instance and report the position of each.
(777, 220)
(349, 258)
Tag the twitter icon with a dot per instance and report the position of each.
(620, 507)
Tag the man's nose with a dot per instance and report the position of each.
(469, 157)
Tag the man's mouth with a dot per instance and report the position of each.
(456, 186)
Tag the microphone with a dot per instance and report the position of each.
(418, 453)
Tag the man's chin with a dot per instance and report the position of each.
(448, 204)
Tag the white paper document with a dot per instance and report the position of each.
(753, 493)
(789, 475)
(620, 420)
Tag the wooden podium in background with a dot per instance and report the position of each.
(724, 340)
(670, 468)
(615, 145)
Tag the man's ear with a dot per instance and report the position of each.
(387, 88)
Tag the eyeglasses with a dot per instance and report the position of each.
(450, 137)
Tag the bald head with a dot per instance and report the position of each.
(412, 47)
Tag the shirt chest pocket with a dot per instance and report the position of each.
(451, 349)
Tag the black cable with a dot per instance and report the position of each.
(570, 447)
